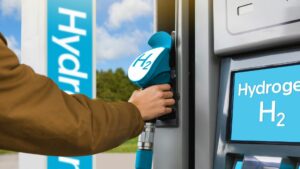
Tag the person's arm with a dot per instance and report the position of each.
(37, 117)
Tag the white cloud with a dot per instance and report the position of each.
(11, 8)
(13, 45)
(115, 46)
(128, 11)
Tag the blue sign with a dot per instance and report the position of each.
(70, 45)
(70, 162)
(266, 105)
(70, 59)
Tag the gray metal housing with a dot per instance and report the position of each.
(206, 85)
(242, 30)
(251, 25)
(171, 145)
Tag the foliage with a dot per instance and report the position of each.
(114, 85)
(5, 152)
(128, 147)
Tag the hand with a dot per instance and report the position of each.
(154, 101)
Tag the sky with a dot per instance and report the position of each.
(123, 29)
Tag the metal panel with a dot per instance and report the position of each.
(250, 25)
(206, 86)
(33, 54)
(34, 35)
(250, 15)
(171, 148)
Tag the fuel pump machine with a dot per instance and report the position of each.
(259, 93)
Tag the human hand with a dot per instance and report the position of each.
(154, 101)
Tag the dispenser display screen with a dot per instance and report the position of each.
(265, 105)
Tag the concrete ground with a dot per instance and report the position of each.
(103, 161)
(115, 161)
(9, 161)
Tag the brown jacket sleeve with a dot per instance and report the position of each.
(37, 117)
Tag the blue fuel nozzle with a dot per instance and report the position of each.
(151, 68)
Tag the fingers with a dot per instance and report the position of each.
(164, 91)
(169, 102)
(167, 95)
(164, 87)
(168, 110)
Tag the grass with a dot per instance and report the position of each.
(5, 152)
(128, 147)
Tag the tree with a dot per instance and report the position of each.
(114, 85)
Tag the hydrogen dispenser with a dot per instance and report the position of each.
(257, 42)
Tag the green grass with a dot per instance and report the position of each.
(5, 152)
(128, 147)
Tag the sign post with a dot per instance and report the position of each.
(71, 59)
(58, 41)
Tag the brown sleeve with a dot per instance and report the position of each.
(3, 39)
(37, 117)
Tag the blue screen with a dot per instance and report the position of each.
(265, 105)
(238, 165)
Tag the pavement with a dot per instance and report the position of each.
(115, 161)
(103, 161)
(9, 161)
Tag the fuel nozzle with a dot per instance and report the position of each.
(146, 139)
(151, 68)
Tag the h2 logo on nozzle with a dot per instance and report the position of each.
(141, 66)
(145, 62)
